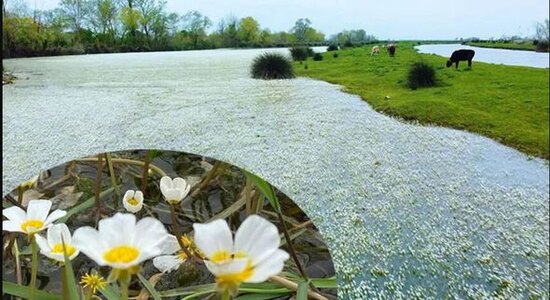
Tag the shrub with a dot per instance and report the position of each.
(272, 66)
(348, 44)
(542, 46)
(301, 53)
(317, 57)
(335, 55)
(421, 74)
(332, 47)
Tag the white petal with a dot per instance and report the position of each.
(38, 209)
(165, 184)
(15, 214)
(88, 241)
(42, 243)
(179, 184)
(257, 237)
(173, 195)
(170, 245)
(56, 232)
(56, 214)
(167, 263)
(139, 196)
(212, 237)
(149, 235)
(118, 229)
(129, 194)
(11, 226)
(233, 266)
(270, 266)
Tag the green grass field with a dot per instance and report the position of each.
(507, 103)
(500, 45)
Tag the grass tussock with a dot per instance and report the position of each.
(272, 66)
(421, 75)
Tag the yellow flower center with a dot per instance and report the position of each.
(31, 226)
(133, 201)
(220, 256)
(93, 282)
(121, 254)
(232, 281)
(58, 248)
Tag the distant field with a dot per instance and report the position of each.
(500, 45)
(507, 103)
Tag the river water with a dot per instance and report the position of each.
(490, 55)
(405, 209)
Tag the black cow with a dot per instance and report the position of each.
(462, 54)
(391, 49)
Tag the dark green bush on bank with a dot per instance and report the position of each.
(317, 57)
(332, 47)
(272, 66)
(301, 53)
(421, 75)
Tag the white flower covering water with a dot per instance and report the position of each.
(405, 210)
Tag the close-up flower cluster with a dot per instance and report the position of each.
(122, 245)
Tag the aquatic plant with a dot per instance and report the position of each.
(174, 190)
(58, 237)
(421, 74)
(272, 66)
(92, 282)
(133, 201)
(167, 263)
(34, 220)
(253, 256)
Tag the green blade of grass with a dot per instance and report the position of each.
(72, 290)
(150, 288)
(301, 293)
(265, 188)
(110, 292)
(260, 296)
(17, 290)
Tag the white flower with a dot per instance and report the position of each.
(35, 219)
(133, 201)
(174, 190)
(52, 247)
(120, 242)
(167, 263)
(254, 256)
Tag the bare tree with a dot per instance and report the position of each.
(543, 31)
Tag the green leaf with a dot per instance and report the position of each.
(17, 290)
(149, 287)
(83, 206)
(265, 188)
(185, 291)
(110, 292)
(301, 293)
(72, 290)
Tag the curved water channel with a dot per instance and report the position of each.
(405, 209)
(492, 55)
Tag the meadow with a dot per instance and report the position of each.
(506, 103)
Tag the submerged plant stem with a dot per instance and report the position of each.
(34, 266)
(130, 162)
(226, 295)
(145, 174)
(108, 158)
(123, 289)
(98, 178)
(178, 235)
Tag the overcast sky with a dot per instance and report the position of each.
(385, 19)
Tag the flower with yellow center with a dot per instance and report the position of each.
(174, 190)
(52, 247)
(93, 282)
(253, 256)
(120, 242)
(167, 263)
(35, 219)
(133, 201)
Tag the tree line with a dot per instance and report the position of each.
(103, 26)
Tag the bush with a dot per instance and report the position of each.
(301, 53)
(542, 46)
(317, 57)
(272, 66)
(421, 74)
(348, 44)
(335, 55)
(332, 47)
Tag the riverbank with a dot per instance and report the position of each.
(509, 46)
(506, 103)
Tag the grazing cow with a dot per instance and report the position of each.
(391, 49)
(462, 54)
(375, 50)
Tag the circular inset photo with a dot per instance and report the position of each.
(151, 224)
